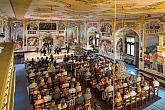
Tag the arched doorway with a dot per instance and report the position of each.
(93, 37)
(127, 46)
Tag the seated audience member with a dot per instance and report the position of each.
(87, 95)
(78, 87)
(139, 79)
(87, 74)
(61, 79)
(42, 82)
(39, 73)
(62, 69)
(37, 60)
(146, 87)
(73, 81)
(139, 90)
(62, 105)
(132, 93)
(127, 95)
(72, 91)
(108, 89)
(79, 99)
(96, 106)
(53, 106)
(39, 103)
(47, 97)
(71, 101)
(155, 83)
(57, 95)
(31, 74)
(33, 84)
(118, 100)
(125, 84)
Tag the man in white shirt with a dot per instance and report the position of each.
(156, 83)
(146, 87)
(33, 84)
(108, 89)
(132, 93)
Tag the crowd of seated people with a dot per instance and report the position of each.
(51, 87)
(103, 76)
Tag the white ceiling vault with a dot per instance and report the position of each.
(6, 9)
(80, 9)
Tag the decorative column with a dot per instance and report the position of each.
(164, 67)
(78, 38)
(66, 31)
(24, 39)
(2, 31)
(142, 42)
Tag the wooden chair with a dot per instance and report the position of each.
(127, 103)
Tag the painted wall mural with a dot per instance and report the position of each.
(83, 37)
(72, 33)
(61, 26)
(33, 41)
(17, 34)
(91, 35)
(106, 43)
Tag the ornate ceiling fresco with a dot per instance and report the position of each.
(85, 9)
(6, 9)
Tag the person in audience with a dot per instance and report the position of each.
(132, 93)
(146, 87)
(155, 82)
(47, 97)
(87, 74)
(72, 91)
(39, 103)
(87, 95)
(73, 81)
(53, 106)
(71, 102)
(37, 60)
(62, 104)
(127, 95)
(42, 82)
(125, 84)
(78, 87)
(79, 99)
(96, 106)
(32, 74)
(39, 73)
(108, 89)
(61, 79)
(57, 94)
(139, 90)
(33, 84)
(62, 69)
(118, 100)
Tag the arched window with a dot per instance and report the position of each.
(130, 46)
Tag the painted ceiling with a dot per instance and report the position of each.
(83, 9)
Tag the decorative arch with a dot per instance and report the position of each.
(72, 33)
(127, 45)
(91, 35)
